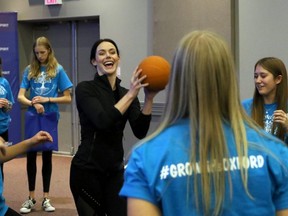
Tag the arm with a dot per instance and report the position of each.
(8, 153)
(22, 98)
(138, 207)
(5, 104)
(281, 117)
(135, 85)
(64, 99)
(148, 102)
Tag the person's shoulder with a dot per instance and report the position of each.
(266, 140)
(4, 80)
(85, 84)
(27, 68)
(170, 134)
(247, 101)
(60, 68)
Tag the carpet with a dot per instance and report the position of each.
(16, 185)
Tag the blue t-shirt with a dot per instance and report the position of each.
(42, 86)
(5, 92)
(268, 116)
(159, 169)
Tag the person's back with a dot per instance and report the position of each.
(167, 169)
(207, 157)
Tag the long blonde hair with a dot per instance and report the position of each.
(52, 63)
(203, 87)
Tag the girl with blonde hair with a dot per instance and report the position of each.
(207, 157)
(49, 85)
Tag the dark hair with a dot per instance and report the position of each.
(96, 44)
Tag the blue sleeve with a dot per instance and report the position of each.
(135, 180)
(25, 82)
(10, 96)
(279, 174)
(64, 82)
(247, 105)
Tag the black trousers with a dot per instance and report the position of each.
(96, 194)
(11, 212)
(46, 169)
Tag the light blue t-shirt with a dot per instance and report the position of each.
(5, 92)
(159, 169)
(46, 87)
(268, 116)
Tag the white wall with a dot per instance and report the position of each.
(262, 32)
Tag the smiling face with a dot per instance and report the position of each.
(266, 83)
(106, 59)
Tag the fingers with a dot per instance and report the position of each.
(281, 117)
(137, 79)
(45, 136)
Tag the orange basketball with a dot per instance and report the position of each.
(157, 70)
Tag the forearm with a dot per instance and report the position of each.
(147, 107)
(14, 150)
(60, 100)
(124, 103)
(23, 100)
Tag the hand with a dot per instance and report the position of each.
(281, 117)
(40, 99)
(41, 136)
(4, 103)
(39, 108)
(136, 82)
(150, 94)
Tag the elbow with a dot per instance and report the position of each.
(19, 99)
(69, 100)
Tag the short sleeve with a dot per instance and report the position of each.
(25, 82)
(280, 178)
(64, 81)
(136, 183)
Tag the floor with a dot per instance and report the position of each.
(16, 186)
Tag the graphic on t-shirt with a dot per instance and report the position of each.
(231, 164)
(3, 91)
(43, 89)
(268, 122)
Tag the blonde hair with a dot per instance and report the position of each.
(203, 87)
(52, 63)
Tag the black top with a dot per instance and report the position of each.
(102, 125)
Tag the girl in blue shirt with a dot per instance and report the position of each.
(44, 77)
(268, 106)
(6, 103)
(207, 157)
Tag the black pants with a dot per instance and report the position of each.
(46, 169)
(5, 137)
(96, 194)
(11, 212)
